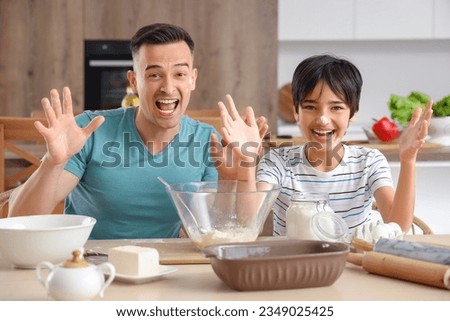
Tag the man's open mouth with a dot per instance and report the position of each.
(167, 106)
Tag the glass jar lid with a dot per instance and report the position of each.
(330, 227)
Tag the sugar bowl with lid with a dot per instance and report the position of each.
(75, 279)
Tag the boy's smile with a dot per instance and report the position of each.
(323, 117)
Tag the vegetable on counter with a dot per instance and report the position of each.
(442, 107)
(385, 129)
(402, 108)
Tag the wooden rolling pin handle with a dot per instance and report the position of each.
(437, 275)
(355, 258)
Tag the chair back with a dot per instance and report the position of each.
(22, 146)
(209, 116)
(213, 121)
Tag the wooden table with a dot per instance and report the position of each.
(199, 282)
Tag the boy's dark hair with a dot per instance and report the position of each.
(160, 33)
(343, 78)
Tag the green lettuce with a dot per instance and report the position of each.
(402, 108)
(442, 107)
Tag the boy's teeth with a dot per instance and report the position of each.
(323, 132)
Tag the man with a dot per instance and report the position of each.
(105, 164)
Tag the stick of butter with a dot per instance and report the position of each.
(134, 260)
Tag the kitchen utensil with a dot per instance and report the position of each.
(75, 279)
(433, 274)
(309, 217)
(418, 251)
(202, 229)
(26, 241)
(413, 250)
(223, 211)
(278, 264)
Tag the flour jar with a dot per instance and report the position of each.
(310, 217)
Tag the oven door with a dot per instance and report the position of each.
(106, 65)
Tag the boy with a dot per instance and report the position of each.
(326, 92)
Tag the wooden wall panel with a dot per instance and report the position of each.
(237, 53)
(41, 47)
(236, 43)
(120, 19)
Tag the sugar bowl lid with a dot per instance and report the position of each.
(77, 260)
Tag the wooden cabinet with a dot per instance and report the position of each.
(41, 47)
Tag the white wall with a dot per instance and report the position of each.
(387, 67)
(432, 193)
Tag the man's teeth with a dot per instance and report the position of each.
(167, 106)
(167, 101)
(166, 111)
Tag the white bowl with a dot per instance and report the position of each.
(26, 241)
(439, 130)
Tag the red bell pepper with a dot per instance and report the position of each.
(385, 129)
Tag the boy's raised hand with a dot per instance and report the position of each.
(63, 136)
(413, 137)
(242, 140)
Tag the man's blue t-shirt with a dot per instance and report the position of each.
(118, 176)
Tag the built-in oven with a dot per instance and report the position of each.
(105, 73)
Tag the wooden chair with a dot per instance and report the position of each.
(213, 121)
(4, 198)
(20, 144)
(209, 116)
(418, 227)
(205, 112)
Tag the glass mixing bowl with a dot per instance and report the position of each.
(223, 211)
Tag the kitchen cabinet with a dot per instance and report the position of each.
(442, 19)
(315, 20)
(398, 19)
(303, 20)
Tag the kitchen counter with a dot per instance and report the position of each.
(199, 282)
(428, 152)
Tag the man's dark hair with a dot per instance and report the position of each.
(343, 78)
(160, 33)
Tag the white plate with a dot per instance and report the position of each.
(163, 270)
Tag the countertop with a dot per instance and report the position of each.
(428, 152)
(200, 282)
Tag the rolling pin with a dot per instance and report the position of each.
(417, 271)
(412, 250)
(418, 251)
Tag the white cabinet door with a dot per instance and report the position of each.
(315, 20)
(442, 19)
(394, 19)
